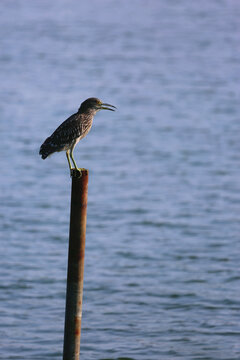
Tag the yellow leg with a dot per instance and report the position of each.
(68, 159)
(79, 171)
(74, 172)
(74, 162)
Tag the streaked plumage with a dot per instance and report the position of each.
(72, 130)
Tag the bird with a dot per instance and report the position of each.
(72, 130)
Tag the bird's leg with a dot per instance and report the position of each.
(74, 162)
(69, 162)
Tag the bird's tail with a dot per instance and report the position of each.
(46, 148)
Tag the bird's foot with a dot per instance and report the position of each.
(77, 173)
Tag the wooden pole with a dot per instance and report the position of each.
(77, 233)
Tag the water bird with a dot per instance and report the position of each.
(72, 130)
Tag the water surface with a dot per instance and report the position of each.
(162, 250)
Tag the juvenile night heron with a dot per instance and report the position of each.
(76, 127)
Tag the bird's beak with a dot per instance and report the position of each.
(107, 107)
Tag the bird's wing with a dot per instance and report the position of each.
(63, 136)
(68, 130)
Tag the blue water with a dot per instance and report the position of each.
(162, 276)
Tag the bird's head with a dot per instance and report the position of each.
(94, 104)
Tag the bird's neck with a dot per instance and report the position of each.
(88, 112)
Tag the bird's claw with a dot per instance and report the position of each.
(77, 173)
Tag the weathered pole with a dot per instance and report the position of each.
(77, 233)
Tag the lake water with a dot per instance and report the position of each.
(162, 277)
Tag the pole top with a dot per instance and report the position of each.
(79, 173)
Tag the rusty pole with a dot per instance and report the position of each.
(77, 233)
